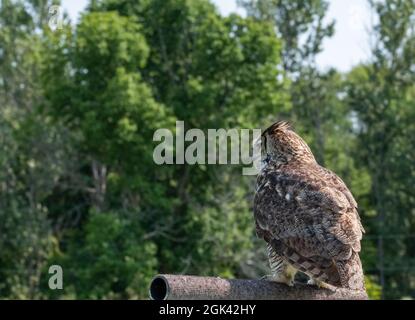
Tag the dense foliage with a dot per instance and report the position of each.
(79, 106)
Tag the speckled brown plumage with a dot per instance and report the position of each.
(306, 214)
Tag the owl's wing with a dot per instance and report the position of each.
(309, 219)
(307, 213)
(338, 183)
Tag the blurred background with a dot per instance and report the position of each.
(83, 87)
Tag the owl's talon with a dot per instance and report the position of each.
(312, 282)
(320, 284)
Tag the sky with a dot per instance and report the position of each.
(348, 47)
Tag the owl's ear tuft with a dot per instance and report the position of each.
(283, 125)
(278, 126)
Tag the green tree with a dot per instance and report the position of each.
(381, 94)
(108, 259)
(117, 79)
(303, 28)
(26, 238)
(211, 72)
(301, 24)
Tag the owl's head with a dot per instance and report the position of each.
(281, 144)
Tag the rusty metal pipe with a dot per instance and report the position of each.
(182, 287)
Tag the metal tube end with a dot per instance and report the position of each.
(159, 288)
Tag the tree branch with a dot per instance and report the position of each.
(182, 287)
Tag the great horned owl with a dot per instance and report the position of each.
(306, 214)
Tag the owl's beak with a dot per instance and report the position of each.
(266, 159)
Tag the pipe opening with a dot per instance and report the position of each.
(158, 289)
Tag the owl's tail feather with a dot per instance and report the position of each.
(318, 268)
(340, 273)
